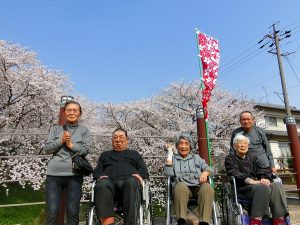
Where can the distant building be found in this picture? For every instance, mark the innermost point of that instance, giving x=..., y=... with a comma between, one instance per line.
x=276, y=131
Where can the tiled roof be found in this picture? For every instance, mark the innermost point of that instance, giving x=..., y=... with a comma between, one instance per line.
x=277, y=133
x=274, y=106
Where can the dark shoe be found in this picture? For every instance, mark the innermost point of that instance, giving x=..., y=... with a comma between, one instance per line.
x=255, y=222
x=181, y=221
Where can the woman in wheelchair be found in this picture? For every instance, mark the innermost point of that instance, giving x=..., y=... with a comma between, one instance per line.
x=190, y=174
x=256, y=184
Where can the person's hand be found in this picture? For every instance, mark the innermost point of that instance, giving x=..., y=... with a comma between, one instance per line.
x=65, y=137
x=169, y=146
x=69, y=144
x=203, y=177
x=138, y=177
x=274, y=170
x=265, y=181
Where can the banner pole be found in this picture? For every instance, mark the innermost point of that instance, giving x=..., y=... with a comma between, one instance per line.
x=202, y=126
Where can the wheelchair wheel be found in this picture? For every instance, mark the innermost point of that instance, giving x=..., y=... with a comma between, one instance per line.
x=228, y=204
x=148, y=211
x=216, y=217
x=91, y=216
x=232, y=210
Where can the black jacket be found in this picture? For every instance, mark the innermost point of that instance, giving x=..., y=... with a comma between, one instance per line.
x=119, y=165
x=242, y=168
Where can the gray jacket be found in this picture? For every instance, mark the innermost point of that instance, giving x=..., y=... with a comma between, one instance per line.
x=61, y=163
x=187, y=169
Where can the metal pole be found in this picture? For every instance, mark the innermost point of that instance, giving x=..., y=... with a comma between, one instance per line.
x=202, y=139
x=62, y=121
x=289, y=119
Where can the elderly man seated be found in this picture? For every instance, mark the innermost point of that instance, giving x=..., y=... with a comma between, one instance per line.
x=119, y=173
x=256, y=184
x=190, y=173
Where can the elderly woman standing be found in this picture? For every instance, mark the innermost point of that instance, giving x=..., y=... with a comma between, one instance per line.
x=62, y=141
x=190, y=173
x=255, y=183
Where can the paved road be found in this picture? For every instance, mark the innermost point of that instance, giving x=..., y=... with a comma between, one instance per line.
x=295, y=213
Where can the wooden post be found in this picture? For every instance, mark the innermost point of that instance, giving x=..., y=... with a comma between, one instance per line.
x=202, y=139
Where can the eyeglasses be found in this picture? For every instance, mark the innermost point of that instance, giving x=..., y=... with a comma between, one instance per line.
x=72, y=110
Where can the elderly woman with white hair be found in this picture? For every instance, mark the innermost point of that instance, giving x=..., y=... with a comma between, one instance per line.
x=190, y=173
x=256, y=184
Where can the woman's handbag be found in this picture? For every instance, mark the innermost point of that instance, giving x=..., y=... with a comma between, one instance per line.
x=81, y=165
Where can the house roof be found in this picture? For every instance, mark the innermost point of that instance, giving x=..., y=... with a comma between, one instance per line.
x=275, y=106
x=278, y=133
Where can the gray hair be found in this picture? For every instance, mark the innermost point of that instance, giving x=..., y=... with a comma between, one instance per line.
x=186, y=137
x=240, y=137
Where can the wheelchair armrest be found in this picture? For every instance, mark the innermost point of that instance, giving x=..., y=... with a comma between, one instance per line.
x=145, y=186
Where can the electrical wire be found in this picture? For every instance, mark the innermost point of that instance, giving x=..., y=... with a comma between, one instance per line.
x=241, y=62
x=295, y=74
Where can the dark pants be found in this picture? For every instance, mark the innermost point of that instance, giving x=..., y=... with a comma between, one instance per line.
x=263, y=196
x=126, y=191
x=54, y=187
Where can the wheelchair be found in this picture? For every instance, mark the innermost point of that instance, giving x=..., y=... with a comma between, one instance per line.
x=192, y=206
x=143, y=207
x=238, y=210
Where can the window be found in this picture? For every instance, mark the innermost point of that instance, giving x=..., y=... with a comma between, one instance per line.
x=271, y=121
x=284, y=159
x=298, y=123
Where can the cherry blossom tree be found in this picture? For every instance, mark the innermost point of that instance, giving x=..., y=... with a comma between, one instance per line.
x=154, y=122
x=29, y=101
x=30, y=96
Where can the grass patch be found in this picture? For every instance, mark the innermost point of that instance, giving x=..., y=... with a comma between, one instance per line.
x=23, y=215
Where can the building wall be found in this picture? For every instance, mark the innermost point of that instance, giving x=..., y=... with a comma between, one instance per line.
x=276, y=152
x=277, y=141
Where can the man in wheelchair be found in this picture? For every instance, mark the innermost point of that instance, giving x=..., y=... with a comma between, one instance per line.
x=190, y=174
x=119, y=173
x=256, y=184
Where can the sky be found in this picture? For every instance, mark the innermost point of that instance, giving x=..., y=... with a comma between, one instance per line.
x=126, y=50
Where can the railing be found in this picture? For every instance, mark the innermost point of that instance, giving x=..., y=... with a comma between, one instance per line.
x=284, y=173
x=86, y=179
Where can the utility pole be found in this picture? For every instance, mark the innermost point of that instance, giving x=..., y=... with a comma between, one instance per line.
x=289, y=119
x=283, y=84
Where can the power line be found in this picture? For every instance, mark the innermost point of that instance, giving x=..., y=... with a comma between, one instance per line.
x=234, y=59
x=241, y=62
x=263, y=82
x=295, y=65
x=297, y=78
